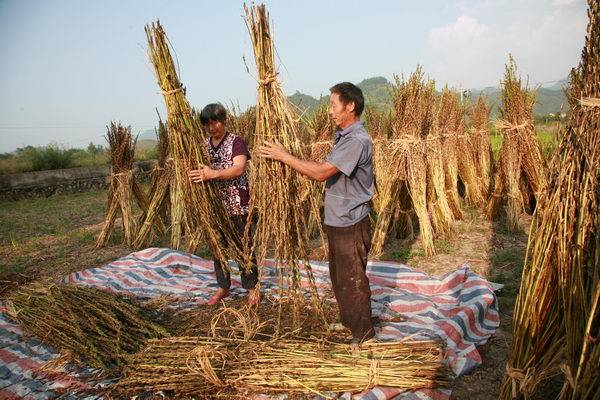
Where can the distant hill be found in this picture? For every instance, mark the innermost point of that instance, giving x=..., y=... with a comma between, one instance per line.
x=304, y=102
x=377, y=92
x=560, y=85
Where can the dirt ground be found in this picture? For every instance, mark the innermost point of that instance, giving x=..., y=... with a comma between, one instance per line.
x=48, y=238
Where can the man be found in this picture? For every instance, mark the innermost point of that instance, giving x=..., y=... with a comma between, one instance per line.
x=348, y=170
x=228, y=156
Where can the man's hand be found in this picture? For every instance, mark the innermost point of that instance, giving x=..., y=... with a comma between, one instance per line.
x=204, y=174
x=274, y=151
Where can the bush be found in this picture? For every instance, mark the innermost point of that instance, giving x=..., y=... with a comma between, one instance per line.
x=48, y=157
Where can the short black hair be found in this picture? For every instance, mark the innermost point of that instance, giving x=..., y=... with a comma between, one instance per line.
x=213, y=112
x=350, y=93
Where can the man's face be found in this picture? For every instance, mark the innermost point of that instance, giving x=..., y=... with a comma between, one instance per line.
x=215, y=128
x=340, y=113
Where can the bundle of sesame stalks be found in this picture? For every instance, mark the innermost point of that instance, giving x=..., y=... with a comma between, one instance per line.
x=467, y=162
x=401, y=158
x=122, y=187
x=162, y=174
x=378, y=121
x=322, y=131
x=520, y=176
x=195, y=207
x=196, y=366
x=448, y=123
x=275, y=202
x=93, y=325
x=379, y=125
x=557, y=314
x=438, y=204
x=482, y=147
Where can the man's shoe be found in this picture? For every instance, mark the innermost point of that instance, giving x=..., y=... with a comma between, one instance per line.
x=218, y=296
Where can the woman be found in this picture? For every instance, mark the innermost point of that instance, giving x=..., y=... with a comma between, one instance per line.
x=228, y=156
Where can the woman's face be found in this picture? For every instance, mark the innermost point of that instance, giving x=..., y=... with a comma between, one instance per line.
x=215, y=128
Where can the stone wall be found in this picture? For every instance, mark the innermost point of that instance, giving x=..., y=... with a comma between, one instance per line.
x=70, y=180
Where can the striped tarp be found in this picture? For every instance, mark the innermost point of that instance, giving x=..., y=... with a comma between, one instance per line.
x=459, y=307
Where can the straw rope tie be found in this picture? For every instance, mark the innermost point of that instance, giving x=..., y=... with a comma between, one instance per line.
x=519, y=379
x=373, y=373
x=173, y=91
x=526, y=381
x=589, y=101
x=268, y=79
x=505, y=125
x=117, y=176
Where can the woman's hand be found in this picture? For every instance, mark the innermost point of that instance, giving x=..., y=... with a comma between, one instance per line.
x=205, y=173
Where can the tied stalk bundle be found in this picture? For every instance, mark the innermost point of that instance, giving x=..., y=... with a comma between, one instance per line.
x=196, y=366
x=448, y=124
x=122, y=185
x=322, y=131
x=401, y=159
x=520, y=177
x=557, y=313
x=195, y=207
x=162, y=175
x=482, y=147
x=276, y=198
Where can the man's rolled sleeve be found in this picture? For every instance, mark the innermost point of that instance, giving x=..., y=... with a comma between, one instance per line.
x=346, y=155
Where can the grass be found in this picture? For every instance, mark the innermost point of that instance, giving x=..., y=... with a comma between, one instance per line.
x=443, y=246
x=56, y=215
x=507, y=257
x=403, y=254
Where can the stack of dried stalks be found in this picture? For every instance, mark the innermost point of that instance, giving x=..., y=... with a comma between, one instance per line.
x=322, y=131
x=162, y=176
x=275, y=200
x=379, y=122
x=401, y=159
x=197, y=207
x=379, y=125
x=196, y=366
x=482, y=147
x=448, y=122
x=438, y=204
x=122, y=186
x=467, y=160
x=520, y=174
x=92, y=325
x=557, y=315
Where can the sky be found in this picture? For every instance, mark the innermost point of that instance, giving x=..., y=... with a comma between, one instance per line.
x=69, y=67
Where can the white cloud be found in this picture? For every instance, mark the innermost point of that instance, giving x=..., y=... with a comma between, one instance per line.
x=471, y=51
x=464, y=29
